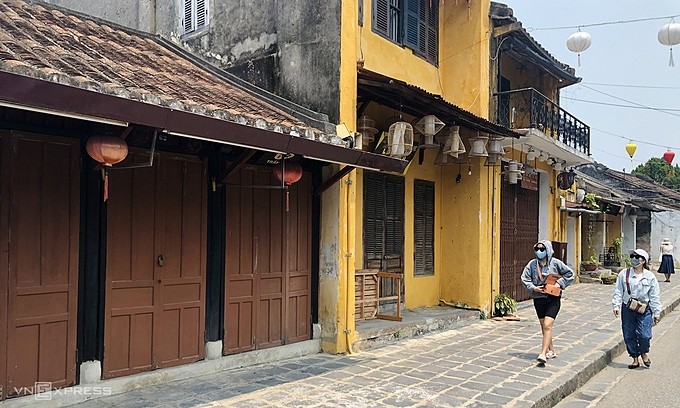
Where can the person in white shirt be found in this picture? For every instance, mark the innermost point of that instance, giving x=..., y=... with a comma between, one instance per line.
x=638, y=284
x=666, y=259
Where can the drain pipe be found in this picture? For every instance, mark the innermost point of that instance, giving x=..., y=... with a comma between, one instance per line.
x=493, y=236
x=349, y=228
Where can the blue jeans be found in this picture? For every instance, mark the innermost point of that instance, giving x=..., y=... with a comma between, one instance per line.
x=637, y=330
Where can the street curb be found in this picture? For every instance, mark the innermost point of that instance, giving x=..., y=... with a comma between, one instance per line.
x=583, y=375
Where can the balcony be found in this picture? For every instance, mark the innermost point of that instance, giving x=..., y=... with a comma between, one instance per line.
x=529, y=109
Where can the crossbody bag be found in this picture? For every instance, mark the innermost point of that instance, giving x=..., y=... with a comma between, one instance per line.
x=552, y=288
x=634, y=304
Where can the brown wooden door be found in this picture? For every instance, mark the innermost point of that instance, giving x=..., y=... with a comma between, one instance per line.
x=39, y=225
x=155, y=268
x=519, y=232
x=267, y=268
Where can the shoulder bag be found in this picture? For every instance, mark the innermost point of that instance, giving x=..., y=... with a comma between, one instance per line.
x=551, y=287
x=634, y=304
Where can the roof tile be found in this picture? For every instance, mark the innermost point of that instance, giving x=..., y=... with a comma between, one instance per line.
x=44, y=42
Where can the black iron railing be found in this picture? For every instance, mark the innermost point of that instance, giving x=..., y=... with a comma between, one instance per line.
x=528, y=108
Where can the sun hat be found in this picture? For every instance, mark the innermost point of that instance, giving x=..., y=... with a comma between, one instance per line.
x=642, y=253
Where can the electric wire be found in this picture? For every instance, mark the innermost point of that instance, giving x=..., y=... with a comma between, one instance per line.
x=631, y=86
x=668, y=112
x=618, y=105
x=634, y=140
x=637, y=20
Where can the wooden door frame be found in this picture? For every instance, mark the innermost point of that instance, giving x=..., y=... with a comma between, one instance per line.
x=4, y=253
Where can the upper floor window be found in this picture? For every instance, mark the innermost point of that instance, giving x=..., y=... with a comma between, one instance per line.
x=195, y=15
x=414, y=23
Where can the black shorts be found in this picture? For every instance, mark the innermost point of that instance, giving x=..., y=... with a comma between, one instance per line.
x=547, y=306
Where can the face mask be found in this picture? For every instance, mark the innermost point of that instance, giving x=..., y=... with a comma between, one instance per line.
x=635, y=262
x=541, y=254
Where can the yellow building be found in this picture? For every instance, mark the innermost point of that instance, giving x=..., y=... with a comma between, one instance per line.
x=457, y=229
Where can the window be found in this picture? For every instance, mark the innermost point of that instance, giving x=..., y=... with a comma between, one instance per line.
x=195, y=15
x=413, y=23
x=423, y=227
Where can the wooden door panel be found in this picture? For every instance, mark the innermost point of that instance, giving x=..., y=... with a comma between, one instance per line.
x=130, y=262
x=240, y=285
x=155, y=265
x=180, y=225
x=519, y=231
x=298, y=326
x=44, y=194
x=268, y=249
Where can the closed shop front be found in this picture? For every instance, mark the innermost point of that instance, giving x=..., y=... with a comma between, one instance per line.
x=268, y=261
x=155, y=265
x=39, y=233
x=519, y=232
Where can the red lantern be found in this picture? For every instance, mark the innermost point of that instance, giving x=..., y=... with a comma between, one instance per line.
x=288, y=174
x=669, y=155
x=107, y=150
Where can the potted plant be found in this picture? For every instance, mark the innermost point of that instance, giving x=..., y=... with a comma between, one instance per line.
x=504, y=307
x=590, y=264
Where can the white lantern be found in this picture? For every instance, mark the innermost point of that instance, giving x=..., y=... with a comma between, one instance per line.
x=531, y=154
x=429, y=126
x=670, y=35
x=478, y=146
x=400, y=139
x=579, y=42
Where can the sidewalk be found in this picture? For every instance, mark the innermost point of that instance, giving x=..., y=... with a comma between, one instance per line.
x=487, y=363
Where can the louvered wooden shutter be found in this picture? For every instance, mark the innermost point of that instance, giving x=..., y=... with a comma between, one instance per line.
x=394, y=217
x=195, y=15
x=188, y=16
x=423, y=228
x=412, y=23
x=201, y=14
x=374, y=217
x=432, y=38
x=380, y=17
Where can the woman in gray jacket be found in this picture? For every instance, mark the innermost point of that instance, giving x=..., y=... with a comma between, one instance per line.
x=545, y=277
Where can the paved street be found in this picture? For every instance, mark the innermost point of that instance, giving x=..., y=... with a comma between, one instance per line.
x=653, y=387
x=488, y=363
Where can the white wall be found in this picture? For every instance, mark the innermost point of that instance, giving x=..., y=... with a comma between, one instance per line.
x=665, y=225
x=571, y=242
x=543, y=194
x=628, y=230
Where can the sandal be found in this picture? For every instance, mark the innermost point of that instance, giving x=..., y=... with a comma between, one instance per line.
x=647, y=363
x=541, y=359
x=633, y=366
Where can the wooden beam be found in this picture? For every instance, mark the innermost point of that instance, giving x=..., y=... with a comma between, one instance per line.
x=236, y=164
x=335, y=177
x=506, y=29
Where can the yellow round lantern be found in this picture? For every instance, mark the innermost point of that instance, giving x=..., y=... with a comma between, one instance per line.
x=631, y=148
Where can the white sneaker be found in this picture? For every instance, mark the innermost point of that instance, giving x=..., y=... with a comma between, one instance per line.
x=550, y=354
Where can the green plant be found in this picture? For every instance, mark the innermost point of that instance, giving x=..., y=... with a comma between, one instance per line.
x=591, y=200
x=616, y=244
x=504, y=305
x=591, y=261
x=608, y=279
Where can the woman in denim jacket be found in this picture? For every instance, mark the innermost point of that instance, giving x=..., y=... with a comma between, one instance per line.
x=637, y=327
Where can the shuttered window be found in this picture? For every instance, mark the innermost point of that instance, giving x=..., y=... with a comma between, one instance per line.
x=383, y=219
x=413, y=23
x=195, y=15
x=423, y=227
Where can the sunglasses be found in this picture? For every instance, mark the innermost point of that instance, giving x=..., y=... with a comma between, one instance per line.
x=538, y=248
x=636, y=256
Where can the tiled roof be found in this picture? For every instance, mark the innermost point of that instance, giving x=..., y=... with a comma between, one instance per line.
x=51, y=44
x=501, y=14
x=634, y=185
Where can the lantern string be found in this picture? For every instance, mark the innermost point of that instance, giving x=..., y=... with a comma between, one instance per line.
x=601, y=24
x=579, y=60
